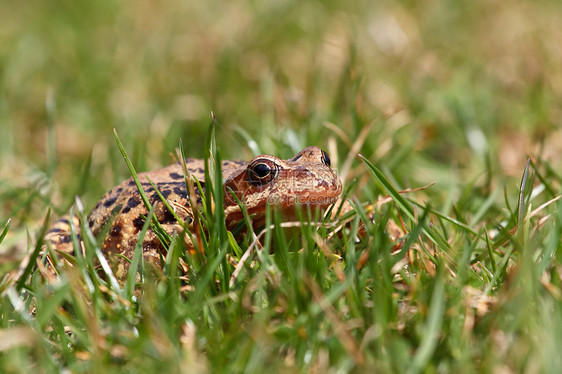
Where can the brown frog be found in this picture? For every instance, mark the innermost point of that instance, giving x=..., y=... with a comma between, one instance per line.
x=307, y=179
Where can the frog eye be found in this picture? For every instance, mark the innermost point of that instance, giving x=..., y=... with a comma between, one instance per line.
x=261, y=172
x=325, y=159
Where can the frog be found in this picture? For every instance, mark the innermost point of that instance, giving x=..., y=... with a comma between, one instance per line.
x=306, y=179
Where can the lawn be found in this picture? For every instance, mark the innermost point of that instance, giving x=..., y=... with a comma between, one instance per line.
x=443, y=120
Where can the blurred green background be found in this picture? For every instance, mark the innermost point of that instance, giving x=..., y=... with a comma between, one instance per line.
x=458, y=93
x=451, y=90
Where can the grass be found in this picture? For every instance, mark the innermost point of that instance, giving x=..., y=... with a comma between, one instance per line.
x=429, y=111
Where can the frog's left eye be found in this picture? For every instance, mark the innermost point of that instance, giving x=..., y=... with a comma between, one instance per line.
x=262, y=171
x=325, y=159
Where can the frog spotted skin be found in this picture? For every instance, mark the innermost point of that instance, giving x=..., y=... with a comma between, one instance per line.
x=307, y=178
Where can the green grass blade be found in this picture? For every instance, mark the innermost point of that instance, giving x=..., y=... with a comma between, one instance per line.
x=50, y=306
x=137, y=260
x=163, y=236
x=5, y=230
x=432, y=327
x=33, y=257
x=403, y=204
x=522, y=207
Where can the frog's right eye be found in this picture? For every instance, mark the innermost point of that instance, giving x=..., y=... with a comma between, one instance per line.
x=262, y=171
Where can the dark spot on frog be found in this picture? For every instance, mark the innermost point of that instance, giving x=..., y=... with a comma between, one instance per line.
x=109, y=202
x=115, y=210
x=153, y=198
x=65, y=221
x=149, y=245
x=116, y=230
x=91, y=222
x=133, y=201
x=176, y=176
x=65, y=239
x=138, y=222
x=181, y=192
x=167, y=217
x=296, y=158
x=166, y=192
x=55, y=230
x=162, y=186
